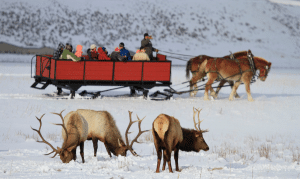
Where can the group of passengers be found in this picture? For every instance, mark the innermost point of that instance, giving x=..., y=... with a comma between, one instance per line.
x=144, y=53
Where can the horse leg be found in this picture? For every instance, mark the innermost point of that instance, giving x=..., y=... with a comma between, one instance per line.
x=231, y=85
x=211, y=78
x=246, y=79
x=221, y=84
x=212, y=92
x=233, y=91
x=193, y=85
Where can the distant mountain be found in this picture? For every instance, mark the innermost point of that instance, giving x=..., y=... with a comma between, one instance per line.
x=185, y=27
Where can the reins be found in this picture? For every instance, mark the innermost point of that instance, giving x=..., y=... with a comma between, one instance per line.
x=177, y=54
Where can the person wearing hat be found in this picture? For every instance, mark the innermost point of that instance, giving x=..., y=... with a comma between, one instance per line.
x=92, y=52
x=124, y=52
x=148, y=45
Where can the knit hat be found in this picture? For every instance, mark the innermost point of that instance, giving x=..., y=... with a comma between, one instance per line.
x=121, y=44
x=146, y=34
x=93, y=46
x=104, y=49
x=117, y=49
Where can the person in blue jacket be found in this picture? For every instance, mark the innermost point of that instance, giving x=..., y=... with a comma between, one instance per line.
x=124, y=52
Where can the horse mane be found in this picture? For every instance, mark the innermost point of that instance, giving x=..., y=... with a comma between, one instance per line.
x=261, y=60
x=240, y=52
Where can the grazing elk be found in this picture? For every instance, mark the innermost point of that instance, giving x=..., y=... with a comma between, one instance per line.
x=170, y=136
x=74, y=132
x=102, y=127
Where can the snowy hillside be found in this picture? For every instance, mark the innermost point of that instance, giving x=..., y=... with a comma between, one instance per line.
x=270, y=29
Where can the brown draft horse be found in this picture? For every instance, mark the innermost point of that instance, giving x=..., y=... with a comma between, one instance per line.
x=233, y=70
x=193, y=65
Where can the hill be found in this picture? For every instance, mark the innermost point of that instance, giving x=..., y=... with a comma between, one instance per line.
x=271, y=30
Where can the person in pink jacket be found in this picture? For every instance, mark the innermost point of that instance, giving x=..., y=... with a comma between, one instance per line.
x=79, y=52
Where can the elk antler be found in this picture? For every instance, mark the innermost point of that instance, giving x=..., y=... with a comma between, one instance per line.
x=43, y=140
x=199, y=121
x=63, y=123
x=138, y=135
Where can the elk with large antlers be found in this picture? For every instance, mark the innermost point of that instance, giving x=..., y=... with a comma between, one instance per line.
x=103, y=127
x=170, y=136
x=74, y=132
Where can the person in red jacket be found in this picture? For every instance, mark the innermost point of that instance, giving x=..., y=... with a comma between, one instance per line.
x=92, y=52
x=102, y=55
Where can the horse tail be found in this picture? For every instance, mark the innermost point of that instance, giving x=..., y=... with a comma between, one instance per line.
x=188, y=68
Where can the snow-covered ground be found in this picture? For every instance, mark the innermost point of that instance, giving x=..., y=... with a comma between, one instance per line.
x=257, y=139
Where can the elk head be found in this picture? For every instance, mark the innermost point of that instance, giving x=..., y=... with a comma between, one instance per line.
x=65, y=152
x=129, y=146
x=198, y=133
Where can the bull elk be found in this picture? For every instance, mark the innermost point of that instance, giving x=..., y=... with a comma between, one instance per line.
x=170, y=136
x=74, y=132
x=102, y=127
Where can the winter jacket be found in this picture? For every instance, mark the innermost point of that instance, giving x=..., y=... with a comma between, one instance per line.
x=102, y=55
x=78, y=52
x=148, y=46
x=115, y=56
x=93, y=55
x=69, y=55
x=140, y=57
x=125, y=52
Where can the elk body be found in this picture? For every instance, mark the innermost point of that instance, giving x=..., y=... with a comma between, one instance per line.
x=102, y=127
x=170, y=136
x=74, y=133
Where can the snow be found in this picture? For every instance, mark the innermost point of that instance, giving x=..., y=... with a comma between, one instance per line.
x=257, y=139
x=246, y=139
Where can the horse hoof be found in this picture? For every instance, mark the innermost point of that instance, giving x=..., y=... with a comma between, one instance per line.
x=237, y=96
x=206, y=99
x=251, y=100
x=230, y=99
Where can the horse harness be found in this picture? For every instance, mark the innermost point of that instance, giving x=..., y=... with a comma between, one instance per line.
x=232, y=57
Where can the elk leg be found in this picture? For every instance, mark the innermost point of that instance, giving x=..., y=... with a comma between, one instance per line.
x=167, y=155
x=107, y=149
x=95, y=144
x=74, y=153
x=221, y=84
x=233, y=91
x=82, y=151
x=158, y=151
x=164, y=163
x=176, y=151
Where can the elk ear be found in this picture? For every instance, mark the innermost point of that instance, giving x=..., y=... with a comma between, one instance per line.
x=59, y=150
x=197, y=134
x=121, y=144
x=71, y=148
